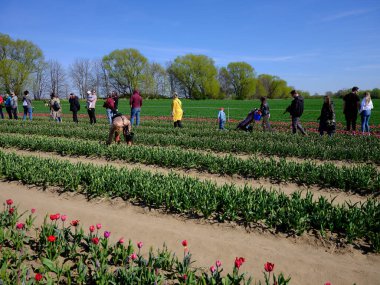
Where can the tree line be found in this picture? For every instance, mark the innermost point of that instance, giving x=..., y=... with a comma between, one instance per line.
x=22, y=65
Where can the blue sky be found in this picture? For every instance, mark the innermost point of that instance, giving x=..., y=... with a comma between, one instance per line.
x=315, y=45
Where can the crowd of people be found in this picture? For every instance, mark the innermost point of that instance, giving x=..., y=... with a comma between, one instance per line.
x=352, y=106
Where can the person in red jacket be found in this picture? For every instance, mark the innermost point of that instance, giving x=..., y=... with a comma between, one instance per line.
x=109, y=104
x=136, y=103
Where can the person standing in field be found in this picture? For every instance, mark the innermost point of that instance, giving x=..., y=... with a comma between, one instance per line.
x=120, y=125
x=327, y=118
x=296, y=110
x=74, y=106
x=365, y=111
x=14, y=105
x=265, y=114
x=91, y=104
x=8, y=105
x=109, y=104
x=1, y=106
x=136, y=102
x=351, y=108
x=27, y=105
x=177, y=111
x=115, y=97
x=55, y=107
x=221, y=119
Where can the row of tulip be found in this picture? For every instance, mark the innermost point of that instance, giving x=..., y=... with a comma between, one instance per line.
x=61, y=252
x=353, y=148
x=180, y=194
x=361, y=179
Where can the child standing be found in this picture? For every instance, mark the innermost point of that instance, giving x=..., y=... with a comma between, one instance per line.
x=264, y=108
x=221, y=119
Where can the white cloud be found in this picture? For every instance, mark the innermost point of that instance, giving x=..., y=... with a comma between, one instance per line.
x=345, y=14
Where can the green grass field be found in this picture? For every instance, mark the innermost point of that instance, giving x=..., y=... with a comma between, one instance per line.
x=235, y=109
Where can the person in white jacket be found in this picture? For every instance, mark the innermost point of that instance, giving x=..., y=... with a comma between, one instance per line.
x=365, y=111
x=91, y=104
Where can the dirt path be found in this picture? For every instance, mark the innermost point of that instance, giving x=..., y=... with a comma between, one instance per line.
x=287, y=188
x=301, y=258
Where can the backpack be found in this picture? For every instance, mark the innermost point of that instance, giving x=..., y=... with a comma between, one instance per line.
x=56, y=106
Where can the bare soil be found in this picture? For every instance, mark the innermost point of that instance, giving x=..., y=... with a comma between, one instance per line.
x=306, y=259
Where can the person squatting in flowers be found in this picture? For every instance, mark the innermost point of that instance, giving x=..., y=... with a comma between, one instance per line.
x=120, y=124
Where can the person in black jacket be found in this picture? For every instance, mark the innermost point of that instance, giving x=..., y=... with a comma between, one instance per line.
x=74, y=106
x=327, y=118
x=351, y=105
x=296, y=110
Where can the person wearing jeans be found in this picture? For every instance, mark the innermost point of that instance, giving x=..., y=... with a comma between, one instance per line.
x=14, y=105
x=109, y=104
x=136, y=104
x=365, y=112
x=27, y=105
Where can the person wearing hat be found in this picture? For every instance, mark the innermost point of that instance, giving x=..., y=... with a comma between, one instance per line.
x=221, y=119
x=296, y=110
x=120, y=124
x=74, y=106
x=351, y=105
x=177, y=111
x=91, y=103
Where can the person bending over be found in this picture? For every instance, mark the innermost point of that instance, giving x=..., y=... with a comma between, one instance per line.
x=120, y=125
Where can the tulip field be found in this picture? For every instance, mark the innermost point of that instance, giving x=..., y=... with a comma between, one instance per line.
x=64, y=251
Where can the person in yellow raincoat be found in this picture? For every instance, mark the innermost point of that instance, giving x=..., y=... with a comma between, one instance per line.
x=177, y=111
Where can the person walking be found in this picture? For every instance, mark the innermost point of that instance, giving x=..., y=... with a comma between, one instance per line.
x=1, y=106
x=14, y=105
x=91, y=104
x=136, y=102
x=55, y=107
x=177, y=111
x=365, y=112
x=120, y=125
x=74, y=106
x=221, y=119
x=265, y=114
x=109, y=104
x=327, y=118
x=27, y=105
x=8, y=105
x=351, y=108
x=296, y=110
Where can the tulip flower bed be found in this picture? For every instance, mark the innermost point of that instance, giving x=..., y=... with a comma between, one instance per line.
x=361, y=179
x=341, y=147
x=61, y=252
x=180, y=194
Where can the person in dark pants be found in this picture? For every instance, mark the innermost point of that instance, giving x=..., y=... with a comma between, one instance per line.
x=115, y=97
x=8, y=106
x=351, y=105
x=1, y=106
x=74, y=106
x=91, y=103
x=14, y=105
x=296, y=110
x=327, y=118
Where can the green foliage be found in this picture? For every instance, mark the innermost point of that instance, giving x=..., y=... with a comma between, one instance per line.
x=196, y=74
x=271, y=86
x=126, y=68
x=18, y=59
x=241, y=76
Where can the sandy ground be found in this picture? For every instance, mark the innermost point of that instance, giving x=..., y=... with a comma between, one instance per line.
x=305, y=259
x=288, y=188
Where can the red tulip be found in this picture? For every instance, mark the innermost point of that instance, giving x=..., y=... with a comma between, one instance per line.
x=121, y=241
x=98, y=226
x=133, y=256
x=57, y=216
x=9, y=202
x=184, y=243
x=268, y=267
x=239, y=262
x=53, y=217
x=52, y=238
x=63, y=218
x=95, y=240
x=20, y=226
x=75, y=223
x=92, y=228
x=140, y=244
x=11, y=210
x=38, y=277
x=33, y=210
x=218, y=263
x=327, y=283
x=212, y=269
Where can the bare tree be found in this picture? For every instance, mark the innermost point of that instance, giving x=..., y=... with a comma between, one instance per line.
x=39, y=81
x=102, y=80
x=57, y=78
x=81, y=75
x=160, y=85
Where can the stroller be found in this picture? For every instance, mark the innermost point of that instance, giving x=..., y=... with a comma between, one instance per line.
x=254, y=115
